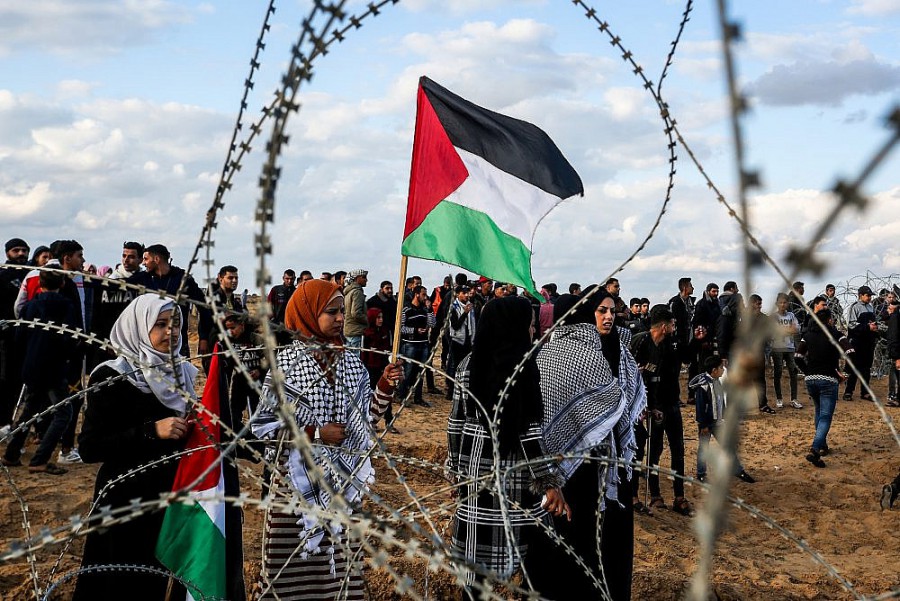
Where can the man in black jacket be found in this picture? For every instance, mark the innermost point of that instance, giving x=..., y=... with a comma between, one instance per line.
x=682, y=307
x=705, y=324
x=10, y=357
x=656, y=353
x=45, y=370
x=162, y=275
x=385, y=300
x=731, y=305
x=280, y=295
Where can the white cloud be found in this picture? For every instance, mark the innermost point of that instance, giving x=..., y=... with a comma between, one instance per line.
x=877, y=230
x=874, y=8
x=519, y=53
x=95, y=26
x=705, y=69
x=626, y=103
x=20, y=200
x=464, y=6
x=73, y=88
x=824, y=83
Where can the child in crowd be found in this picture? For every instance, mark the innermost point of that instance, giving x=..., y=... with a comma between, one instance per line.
x=375, y=355
x=709, y=396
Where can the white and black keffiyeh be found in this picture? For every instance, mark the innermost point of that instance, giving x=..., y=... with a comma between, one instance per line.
x=583, y=401
x=318, y=400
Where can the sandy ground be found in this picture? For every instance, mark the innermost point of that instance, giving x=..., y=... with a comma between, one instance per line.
x=835, y=510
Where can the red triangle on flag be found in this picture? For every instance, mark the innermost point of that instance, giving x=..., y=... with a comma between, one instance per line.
x=203, y=434
x=436, y=170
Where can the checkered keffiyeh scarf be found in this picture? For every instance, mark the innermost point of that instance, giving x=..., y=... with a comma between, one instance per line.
x=583, y=401
x=318, y=400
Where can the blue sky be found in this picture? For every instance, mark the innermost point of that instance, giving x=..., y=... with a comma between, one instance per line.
x=115, y=118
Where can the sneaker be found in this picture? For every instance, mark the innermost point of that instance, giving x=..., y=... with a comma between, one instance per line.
x=824, y=451
x=796, y=404
x=4, y=431
x=421, y=403
x=745, y=477
x=779, y=403
x=847, y=397
x=766, y=409
x=70, y=457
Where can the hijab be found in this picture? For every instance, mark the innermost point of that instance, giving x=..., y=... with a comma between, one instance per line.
x=585, y=311
x=611, y=346
x=501, y=341
x=148, y=369
x=306, y=304
x=372, y=316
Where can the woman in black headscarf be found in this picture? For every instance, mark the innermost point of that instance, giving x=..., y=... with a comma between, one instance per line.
x=591, y=400
x=490, y=531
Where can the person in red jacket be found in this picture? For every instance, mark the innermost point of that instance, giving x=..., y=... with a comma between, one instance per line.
x=376, y=355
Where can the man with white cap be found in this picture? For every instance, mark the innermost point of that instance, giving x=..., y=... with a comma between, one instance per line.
x=355, y=320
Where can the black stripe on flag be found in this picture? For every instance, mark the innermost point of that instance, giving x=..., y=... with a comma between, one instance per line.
x=512, y=145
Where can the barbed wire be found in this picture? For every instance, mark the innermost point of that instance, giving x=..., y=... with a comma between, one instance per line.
x=375, y=526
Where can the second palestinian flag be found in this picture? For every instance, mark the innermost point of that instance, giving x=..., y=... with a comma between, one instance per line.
x=192, y=538
x=480, y=183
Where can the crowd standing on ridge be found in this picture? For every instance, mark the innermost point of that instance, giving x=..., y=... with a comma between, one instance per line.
x=605, y=384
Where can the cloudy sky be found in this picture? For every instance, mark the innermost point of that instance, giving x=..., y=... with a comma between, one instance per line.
x=115, y=118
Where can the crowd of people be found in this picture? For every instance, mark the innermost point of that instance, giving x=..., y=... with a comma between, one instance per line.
x=561, y=394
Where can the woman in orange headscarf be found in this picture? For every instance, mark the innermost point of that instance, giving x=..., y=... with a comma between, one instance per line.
x=307, y=554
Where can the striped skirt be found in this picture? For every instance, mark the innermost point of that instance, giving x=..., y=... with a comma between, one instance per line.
x=286, y=577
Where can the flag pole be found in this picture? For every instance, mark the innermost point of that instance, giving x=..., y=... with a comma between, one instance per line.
x=401, y=297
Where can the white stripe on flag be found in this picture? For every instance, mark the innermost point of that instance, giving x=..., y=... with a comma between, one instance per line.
x=513, y=204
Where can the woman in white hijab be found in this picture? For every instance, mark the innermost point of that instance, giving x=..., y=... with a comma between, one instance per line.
x=137, y=417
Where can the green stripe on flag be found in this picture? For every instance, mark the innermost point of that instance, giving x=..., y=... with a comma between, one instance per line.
x=191, y=546
x=470, y=239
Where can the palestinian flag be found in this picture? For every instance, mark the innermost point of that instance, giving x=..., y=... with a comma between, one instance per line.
x=191, y=542
x=480, y=183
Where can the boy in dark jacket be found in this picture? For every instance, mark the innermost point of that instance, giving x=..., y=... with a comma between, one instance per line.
x=45, y=368
x=709, y=397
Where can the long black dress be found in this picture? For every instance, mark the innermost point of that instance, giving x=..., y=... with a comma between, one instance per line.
x=117, y=431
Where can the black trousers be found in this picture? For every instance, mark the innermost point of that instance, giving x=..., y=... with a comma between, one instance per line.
x=10, y=377
x=640, y=439
x=555, y=574
x=862, y=360
x=761, y=395
x=673, y=428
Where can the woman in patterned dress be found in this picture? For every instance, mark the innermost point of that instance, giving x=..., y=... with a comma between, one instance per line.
x=307, y=555
x=489, y=532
